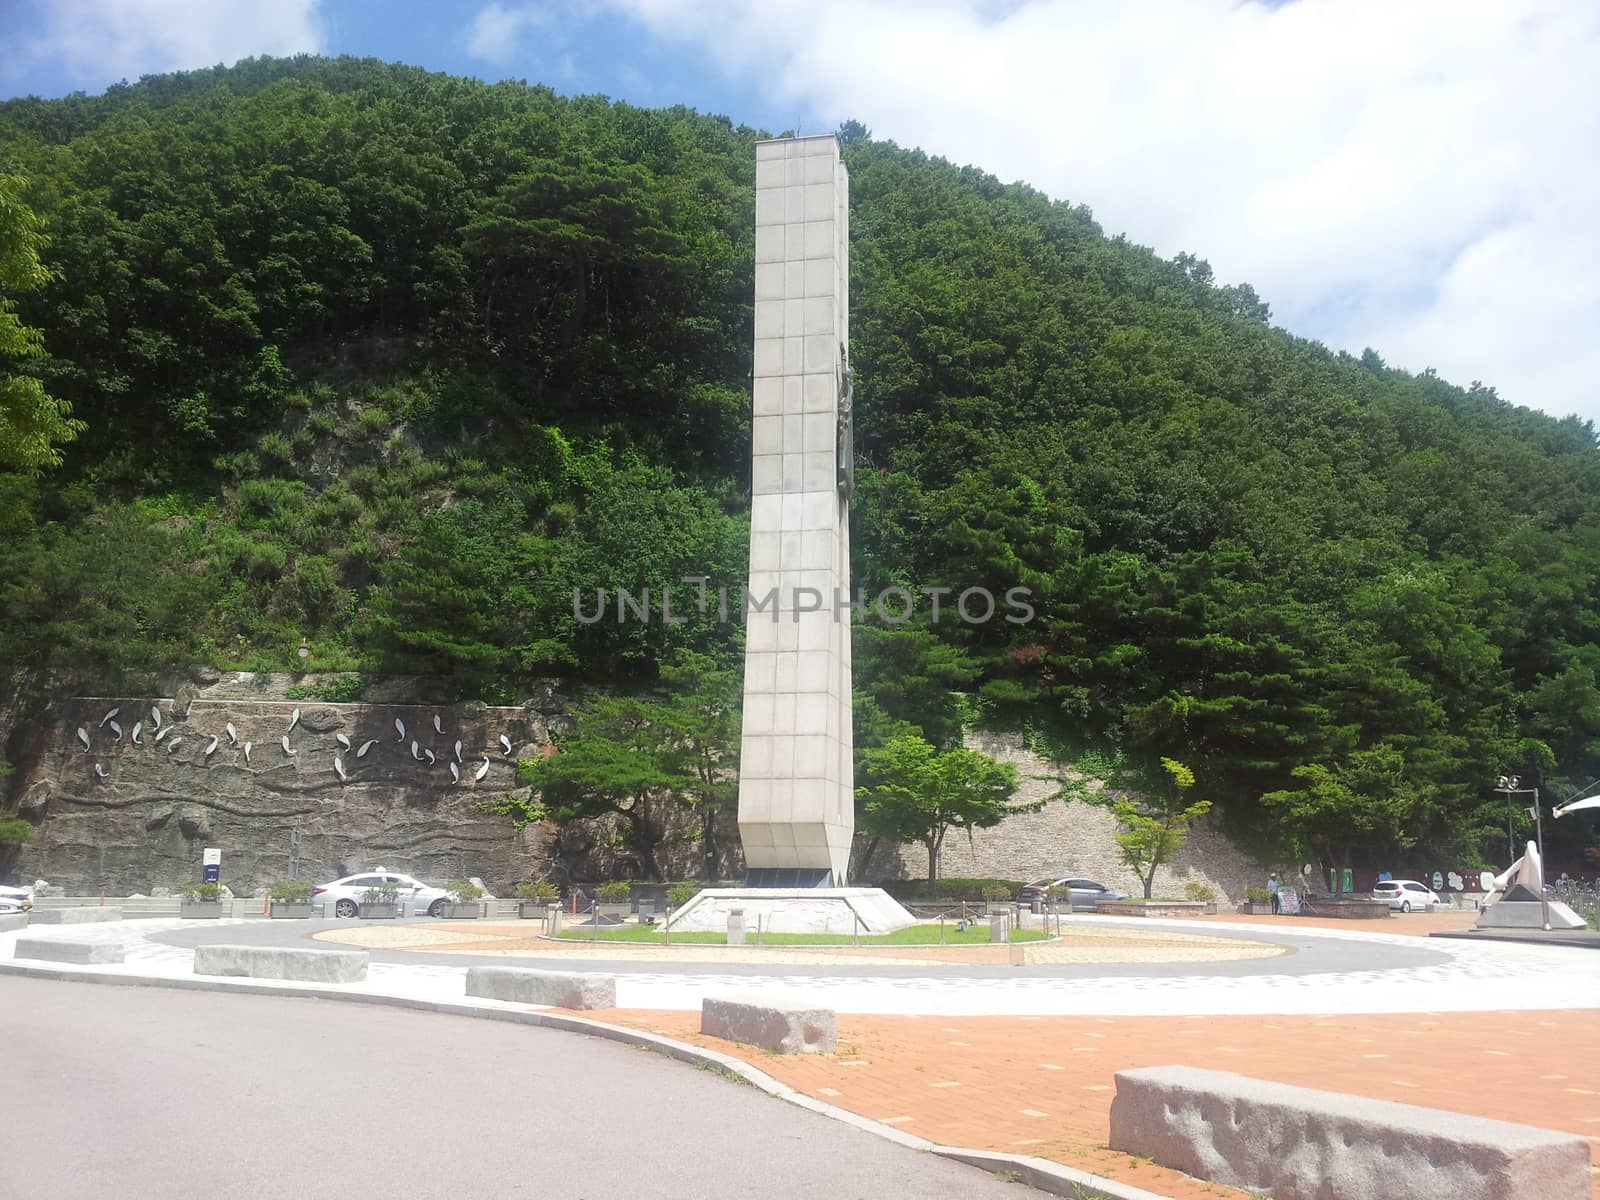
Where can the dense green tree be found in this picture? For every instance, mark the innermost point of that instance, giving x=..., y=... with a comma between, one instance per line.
x=1155, y=826
x=618, y=761
x=33, y=424
x=916, y=792
x=703, y=715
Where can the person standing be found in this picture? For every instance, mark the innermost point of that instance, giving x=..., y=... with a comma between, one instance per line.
x=1272, y=886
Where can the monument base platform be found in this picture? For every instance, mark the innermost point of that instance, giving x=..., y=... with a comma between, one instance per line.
x=843, y=910
x=1529, y=914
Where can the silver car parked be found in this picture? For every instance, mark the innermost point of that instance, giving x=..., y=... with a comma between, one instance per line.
x=1406, y=894
x=1080, y=894
x=346, y=895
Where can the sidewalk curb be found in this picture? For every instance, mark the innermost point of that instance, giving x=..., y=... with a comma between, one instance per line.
x=1052, y=1178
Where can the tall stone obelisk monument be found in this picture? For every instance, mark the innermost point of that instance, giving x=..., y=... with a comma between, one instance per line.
x=796, y=779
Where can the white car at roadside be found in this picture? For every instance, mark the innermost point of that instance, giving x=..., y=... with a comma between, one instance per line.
x=15, y=900
x=1407, y=894
x=344, y=897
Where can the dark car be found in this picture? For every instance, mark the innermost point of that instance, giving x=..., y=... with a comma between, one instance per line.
x=1082, y=893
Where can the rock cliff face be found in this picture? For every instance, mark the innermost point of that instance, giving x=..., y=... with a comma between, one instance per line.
x=158, y=804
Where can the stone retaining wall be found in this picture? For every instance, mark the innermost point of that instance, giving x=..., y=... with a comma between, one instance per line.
x=1067, y=838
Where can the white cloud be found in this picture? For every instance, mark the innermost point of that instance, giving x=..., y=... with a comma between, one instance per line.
x=96, y=42
x=496, y=31
x=1418, y=177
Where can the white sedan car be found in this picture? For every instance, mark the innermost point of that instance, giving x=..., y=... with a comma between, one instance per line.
x=1406, y=894
x=15, y=900
x=348, y=894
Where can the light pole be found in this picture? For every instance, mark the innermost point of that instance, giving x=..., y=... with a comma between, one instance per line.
x=1508, y=785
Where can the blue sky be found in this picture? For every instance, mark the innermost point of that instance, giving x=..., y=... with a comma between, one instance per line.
x=600, y=51
x=1415, y=177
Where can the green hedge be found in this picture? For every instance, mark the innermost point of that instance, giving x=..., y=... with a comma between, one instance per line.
x=952, y=889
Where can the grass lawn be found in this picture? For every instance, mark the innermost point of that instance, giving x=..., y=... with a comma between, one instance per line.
x=912, y=935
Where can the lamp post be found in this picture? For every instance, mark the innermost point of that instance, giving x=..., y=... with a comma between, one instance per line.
x=1508, y=785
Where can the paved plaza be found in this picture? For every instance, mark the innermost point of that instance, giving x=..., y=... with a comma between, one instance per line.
x=959, y=1046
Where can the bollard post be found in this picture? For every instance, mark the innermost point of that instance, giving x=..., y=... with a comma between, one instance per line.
x=758, y=929
x=855, y=932
x=941, y=929
x=667, y=932
x=736, y=927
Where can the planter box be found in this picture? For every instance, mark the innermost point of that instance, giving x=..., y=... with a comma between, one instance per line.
x=1253, y=909
x=1349, y=910
x=289, y=910
x=371, y=910
x=1155, y=908
x=533, y=910
x=462, y=912
x=200, y=910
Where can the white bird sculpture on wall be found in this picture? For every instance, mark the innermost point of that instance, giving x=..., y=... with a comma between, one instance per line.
x=99, y=770
x=155, y=716
x=174, y=744
x=430, y=757
x=505, y=742
x=415, y=753
x=437, y=727
x=83, y=736
x=342, y=740
x=212, y=748
x=458, y=749
x=478, y=775
x=365, y=746
x=284, y=742
x=338, y=769
x=138, y=728
x=294, y=719
x=233, y=735
x=162, y=732
x=117, y=731
x=247, y=746
x=455, y=774
x=109, y=715
x=400, y=728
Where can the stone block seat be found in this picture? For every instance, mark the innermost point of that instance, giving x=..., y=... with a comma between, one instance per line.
x=1294, y=1143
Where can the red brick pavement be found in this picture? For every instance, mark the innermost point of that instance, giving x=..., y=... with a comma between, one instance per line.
x=1043, y=1086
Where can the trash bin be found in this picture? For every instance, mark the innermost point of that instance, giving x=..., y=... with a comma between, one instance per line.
x=999, y=927
x=1037, y=906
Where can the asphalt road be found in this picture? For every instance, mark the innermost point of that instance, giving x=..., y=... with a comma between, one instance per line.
x=1310, y=955
x=146, y=1092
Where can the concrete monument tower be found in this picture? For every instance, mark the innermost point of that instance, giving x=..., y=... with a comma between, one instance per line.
x=796, y=776
x=796, y=785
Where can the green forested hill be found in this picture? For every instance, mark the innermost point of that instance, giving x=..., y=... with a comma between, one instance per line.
x=392, y=361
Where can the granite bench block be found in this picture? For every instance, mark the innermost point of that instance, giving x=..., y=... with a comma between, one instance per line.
x=557, y=989
x=70, y=950
x=88, y=914
x=282, y=962
x=1296, y=1143
x=780, y=1028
